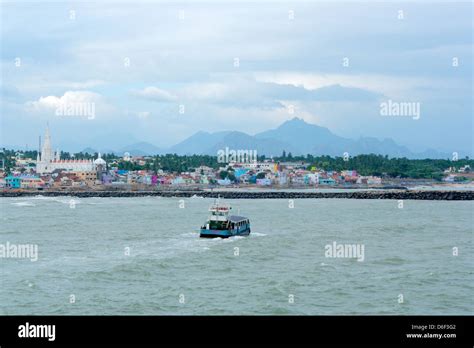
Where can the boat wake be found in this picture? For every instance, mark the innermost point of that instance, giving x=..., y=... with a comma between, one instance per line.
x=256, y=234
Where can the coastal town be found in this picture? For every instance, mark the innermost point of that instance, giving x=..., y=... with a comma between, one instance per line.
x=57, y=170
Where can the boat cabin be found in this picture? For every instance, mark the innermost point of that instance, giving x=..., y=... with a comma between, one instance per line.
x=238, y=221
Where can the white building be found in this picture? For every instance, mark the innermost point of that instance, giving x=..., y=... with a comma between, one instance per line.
x=204, y=170
x=259, y=166
x=48, y=160
x=465, y=169
x=370, y=180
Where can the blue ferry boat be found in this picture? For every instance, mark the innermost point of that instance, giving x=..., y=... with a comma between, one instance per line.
x=222, y=224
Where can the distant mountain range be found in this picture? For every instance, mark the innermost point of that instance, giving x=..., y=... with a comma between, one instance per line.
x=295, y=136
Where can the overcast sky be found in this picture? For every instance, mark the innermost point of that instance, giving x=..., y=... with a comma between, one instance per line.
x=236, y=66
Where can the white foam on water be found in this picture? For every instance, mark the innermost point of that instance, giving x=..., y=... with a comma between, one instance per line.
x=218, y=240
x=188, y=242
x=233, y=239
x=322, y=264
x=41, y=197
x=191, y=242
x=94, y=203
x=257, y=234
x=24, y=204
x=190, y=234
x=65, y=200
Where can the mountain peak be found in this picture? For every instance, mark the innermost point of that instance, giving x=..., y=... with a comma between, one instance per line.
x=294, y=135
x=294, y=120
x=299, y=124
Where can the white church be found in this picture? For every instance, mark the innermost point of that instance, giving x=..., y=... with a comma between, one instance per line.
x=48, y=161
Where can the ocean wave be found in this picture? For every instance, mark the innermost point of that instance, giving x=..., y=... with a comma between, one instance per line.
x=392, y=261
x=64, y=200
x=195, y=196
x=24, y=204
x=257, y=234
x=190, y=234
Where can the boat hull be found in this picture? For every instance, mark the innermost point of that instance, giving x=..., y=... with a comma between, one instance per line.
x=224, y=233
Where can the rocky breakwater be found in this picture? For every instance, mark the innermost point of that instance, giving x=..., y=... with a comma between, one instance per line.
x=385, y=194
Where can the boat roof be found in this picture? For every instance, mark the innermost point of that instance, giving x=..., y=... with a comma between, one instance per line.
x=219, y=207
x=236, y=218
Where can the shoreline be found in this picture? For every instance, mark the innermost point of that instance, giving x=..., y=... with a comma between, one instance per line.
x=235, y=194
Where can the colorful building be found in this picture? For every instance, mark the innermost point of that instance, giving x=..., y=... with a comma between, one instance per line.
x=327, y=181
x=13, y=182
x=31, y=182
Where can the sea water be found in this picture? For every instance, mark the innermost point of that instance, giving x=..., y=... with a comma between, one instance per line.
x=142, y=256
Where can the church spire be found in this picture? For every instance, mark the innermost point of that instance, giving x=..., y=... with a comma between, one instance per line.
x=38, y=158
x=46, y=153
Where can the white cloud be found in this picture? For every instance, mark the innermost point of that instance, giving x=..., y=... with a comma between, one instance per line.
x=388, y=85
x=73, y=103
x=52, y=102
x=81, y=85
x=206, y=91
x=282, y=63
x=143, y=114
x=155, y=94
